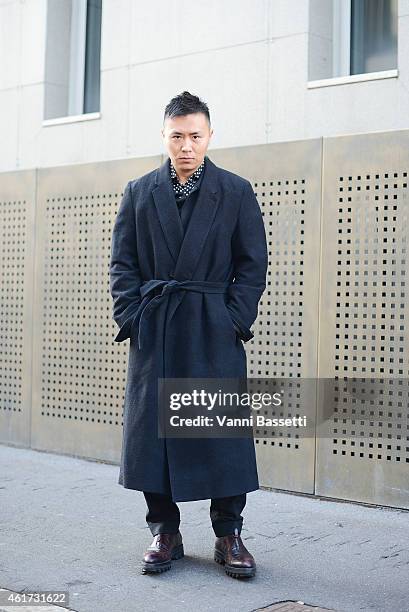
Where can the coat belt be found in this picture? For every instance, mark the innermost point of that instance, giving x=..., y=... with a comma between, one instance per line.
x=151, y=299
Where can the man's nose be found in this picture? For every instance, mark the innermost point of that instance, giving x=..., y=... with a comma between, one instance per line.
x=186, y=145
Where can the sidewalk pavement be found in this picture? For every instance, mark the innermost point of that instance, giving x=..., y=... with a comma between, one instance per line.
x=67, y=525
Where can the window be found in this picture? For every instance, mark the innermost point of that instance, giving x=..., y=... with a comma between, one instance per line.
x=73, y=58
x=373, y=35
x=352, y=37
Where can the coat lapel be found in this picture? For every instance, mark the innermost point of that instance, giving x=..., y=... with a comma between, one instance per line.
x=167, y=210
x=186, y=249
x=199, y=225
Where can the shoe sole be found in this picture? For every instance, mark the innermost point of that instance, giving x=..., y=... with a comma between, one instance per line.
x=163, y=566
x=234, y=572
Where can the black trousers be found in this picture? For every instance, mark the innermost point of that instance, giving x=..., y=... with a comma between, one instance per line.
x=163, y=514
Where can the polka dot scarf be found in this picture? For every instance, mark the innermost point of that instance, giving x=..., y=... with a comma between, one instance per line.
x=182, y=191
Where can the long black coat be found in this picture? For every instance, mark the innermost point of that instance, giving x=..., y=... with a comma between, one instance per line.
x=189, y=330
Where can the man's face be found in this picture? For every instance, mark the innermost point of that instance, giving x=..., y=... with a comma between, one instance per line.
x=186, y=139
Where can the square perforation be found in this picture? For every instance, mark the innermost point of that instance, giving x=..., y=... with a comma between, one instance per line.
x=13, y=241
x=83, y=372
x=276, y=350
x=370, y=321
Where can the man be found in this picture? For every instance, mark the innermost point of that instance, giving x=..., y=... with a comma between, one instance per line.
x=188, y=268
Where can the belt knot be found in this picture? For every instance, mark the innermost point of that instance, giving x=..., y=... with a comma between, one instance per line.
x=150, y=301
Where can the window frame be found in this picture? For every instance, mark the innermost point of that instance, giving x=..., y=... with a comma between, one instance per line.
x=77, y=67
x=341, y=58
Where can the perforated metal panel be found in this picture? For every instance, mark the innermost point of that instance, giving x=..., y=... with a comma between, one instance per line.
x=363, y=446
x=338, y=267
x=17, y=210
x=79, y=372
x=286, y=179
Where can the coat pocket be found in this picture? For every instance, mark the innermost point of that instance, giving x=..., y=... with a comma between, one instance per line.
x=244, y=333
x=229, y=319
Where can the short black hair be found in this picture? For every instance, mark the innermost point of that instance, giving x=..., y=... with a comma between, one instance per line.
x=185, y=104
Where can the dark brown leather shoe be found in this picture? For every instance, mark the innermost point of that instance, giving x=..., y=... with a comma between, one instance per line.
x=231, y=552
x=164, y=548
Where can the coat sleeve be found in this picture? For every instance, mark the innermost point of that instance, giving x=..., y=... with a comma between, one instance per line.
x=125, y=279
x=250, y=261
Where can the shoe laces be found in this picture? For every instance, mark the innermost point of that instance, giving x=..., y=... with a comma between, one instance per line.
x=158, y=543
x=236, y=544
